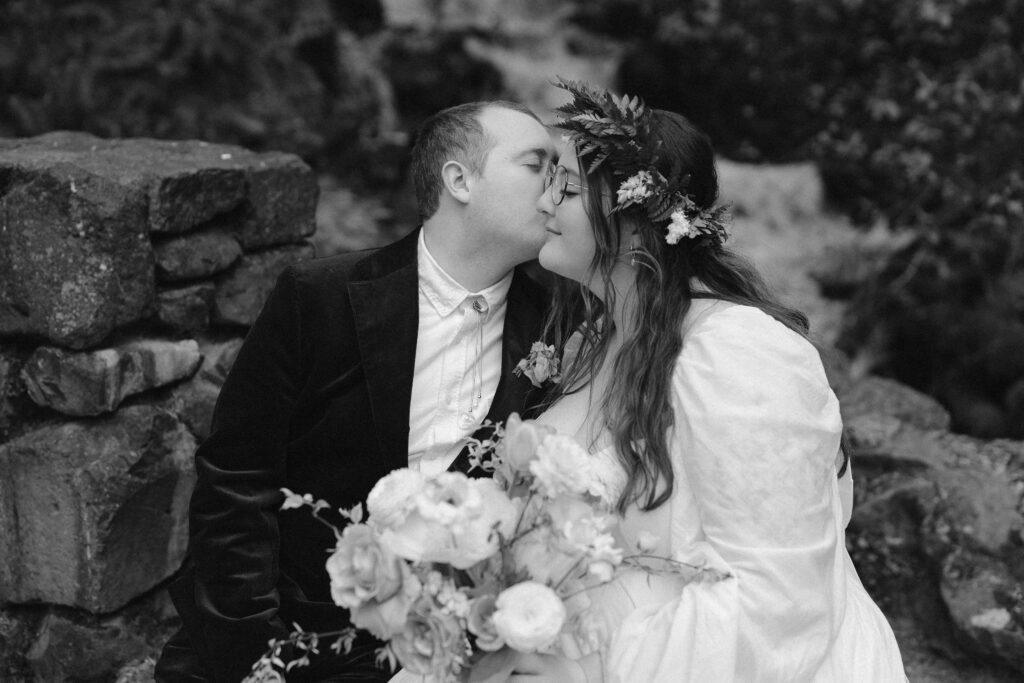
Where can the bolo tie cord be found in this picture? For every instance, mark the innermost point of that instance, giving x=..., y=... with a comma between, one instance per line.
x=481, y=307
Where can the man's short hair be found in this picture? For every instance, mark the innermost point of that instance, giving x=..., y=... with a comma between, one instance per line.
x=453, y=134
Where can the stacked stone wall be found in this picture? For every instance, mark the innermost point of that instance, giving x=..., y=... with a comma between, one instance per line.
x=130, y=271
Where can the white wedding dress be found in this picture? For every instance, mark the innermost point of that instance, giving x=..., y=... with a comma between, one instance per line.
x=753, y=452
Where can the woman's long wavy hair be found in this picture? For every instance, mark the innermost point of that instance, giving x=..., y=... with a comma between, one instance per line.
x=638, y=404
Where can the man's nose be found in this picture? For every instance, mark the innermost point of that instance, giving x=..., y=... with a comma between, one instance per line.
x=544, y=202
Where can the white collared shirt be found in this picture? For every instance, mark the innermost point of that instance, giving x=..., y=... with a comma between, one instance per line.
x=458, y=362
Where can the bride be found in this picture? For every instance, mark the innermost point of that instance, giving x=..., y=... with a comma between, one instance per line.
x=709, y=394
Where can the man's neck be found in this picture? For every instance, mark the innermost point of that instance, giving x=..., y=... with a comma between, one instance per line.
x=474, y=267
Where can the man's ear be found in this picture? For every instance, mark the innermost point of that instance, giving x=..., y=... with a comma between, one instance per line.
x=456, y=180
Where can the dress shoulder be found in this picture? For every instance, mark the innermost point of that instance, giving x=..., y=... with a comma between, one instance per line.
x=745, y=348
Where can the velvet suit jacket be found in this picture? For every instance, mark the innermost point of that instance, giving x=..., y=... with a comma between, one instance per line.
x=317, y=401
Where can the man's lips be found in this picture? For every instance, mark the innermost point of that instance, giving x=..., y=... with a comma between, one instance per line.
x=553, y=231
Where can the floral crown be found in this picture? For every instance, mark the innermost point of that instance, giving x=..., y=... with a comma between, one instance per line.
x=617, y=130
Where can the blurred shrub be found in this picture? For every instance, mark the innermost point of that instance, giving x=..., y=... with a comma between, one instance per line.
x=913, y=110
x=261, y=73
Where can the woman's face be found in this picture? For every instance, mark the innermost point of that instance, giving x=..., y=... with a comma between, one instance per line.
x=569, y=248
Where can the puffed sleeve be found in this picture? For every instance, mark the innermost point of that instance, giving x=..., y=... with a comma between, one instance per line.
x=753, y=449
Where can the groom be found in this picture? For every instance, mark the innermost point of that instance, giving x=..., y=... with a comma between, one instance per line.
x=360, y=364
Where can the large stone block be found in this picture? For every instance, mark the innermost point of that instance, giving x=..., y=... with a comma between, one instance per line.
x=268, y=198
x=186, y=310
x=18, y=627
x=75, y=259
x=195, y=255
x=986, y=606
x=182, y=183
x=218, y=357
x=76, y=213
x=242, y=292
x=281, y=202
x=95, y=382
x=94, y=513
x=188, y=182
x=11, y=385
x=193, y=403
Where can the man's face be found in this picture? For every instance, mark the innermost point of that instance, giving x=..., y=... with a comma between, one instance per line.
x=508, y=205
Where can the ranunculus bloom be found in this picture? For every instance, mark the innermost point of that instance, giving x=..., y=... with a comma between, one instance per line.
x=392, y=497
x=480, y=623
x=362, y=569
x=429, y=642
x=529, y=616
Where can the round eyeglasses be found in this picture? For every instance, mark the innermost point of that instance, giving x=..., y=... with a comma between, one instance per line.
x=558, y=182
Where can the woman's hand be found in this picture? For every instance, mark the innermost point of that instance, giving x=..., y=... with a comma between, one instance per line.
x=541, y=668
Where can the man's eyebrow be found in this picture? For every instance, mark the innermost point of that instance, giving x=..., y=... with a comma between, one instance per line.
x=540, y=152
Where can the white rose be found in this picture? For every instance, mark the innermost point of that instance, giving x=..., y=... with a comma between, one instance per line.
x=429, y=642
x=394, y=496
x=529, y=616
x=361, y=569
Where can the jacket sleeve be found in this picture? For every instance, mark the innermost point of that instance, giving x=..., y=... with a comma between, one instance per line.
x=240, y=469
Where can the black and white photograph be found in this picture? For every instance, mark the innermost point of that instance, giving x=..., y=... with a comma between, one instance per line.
x=511, y=341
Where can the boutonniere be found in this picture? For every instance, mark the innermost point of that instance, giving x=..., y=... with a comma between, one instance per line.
x=540, y=366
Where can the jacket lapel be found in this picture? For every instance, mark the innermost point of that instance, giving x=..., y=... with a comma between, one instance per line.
x=523, y=320
x=383, y=292
x=522, y=328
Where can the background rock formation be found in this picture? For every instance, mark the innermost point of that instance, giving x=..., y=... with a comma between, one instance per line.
x=129, y=271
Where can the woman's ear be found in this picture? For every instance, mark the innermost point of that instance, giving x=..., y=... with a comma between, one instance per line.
x=455, y=177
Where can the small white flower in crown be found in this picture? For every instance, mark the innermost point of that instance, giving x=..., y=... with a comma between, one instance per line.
x=680, y=227
x=635, y=188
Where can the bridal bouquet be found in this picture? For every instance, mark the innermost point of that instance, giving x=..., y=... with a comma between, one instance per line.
x=452, y=572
